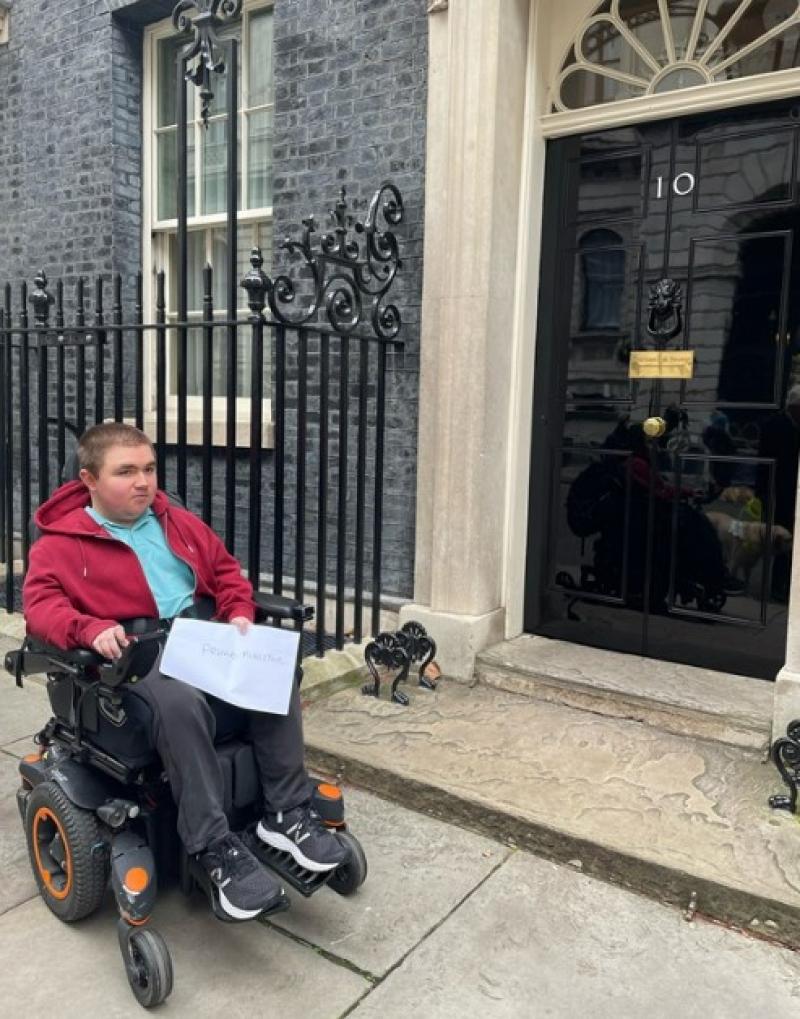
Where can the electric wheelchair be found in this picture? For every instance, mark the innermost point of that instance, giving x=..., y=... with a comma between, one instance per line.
x=96, y=805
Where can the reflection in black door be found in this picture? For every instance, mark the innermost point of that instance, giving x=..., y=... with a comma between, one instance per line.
x=662, y=509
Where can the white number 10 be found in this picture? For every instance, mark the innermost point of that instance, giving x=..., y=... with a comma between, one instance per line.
x=683, y=184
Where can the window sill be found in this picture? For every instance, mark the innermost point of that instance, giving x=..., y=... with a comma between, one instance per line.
x=194, y=430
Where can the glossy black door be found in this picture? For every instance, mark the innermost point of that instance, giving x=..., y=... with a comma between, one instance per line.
x=676, y=546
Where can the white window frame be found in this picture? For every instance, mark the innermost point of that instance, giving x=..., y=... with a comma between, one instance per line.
x=153, y=226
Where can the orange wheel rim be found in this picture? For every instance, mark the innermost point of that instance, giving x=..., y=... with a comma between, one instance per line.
x=45, y=816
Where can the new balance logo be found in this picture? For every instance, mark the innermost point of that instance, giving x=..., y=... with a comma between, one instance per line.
x=298, y=834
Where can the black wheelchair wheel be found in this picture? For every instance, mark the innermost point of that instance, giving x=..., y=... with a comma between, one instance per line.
x=350, y=875
x=67, y=857
x=148, y=965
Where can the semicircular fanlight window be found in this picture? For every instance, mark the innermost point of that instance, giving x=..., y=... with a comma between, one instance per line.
x=631, y=48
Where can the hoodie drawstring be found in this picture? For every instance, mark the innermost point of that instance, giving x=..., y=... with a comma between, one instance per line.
x=177, y=527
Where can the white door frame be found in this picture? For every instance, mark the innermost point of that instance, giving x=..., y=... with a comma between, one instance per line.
x=539, y=127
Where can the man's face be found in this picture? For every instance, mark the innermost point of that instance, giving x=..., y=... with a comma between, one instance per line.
x=126, y=484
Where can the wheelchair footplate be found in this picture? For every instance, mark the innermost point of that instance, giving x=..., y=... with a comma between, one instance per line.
x=285, y=866
x=206, y=885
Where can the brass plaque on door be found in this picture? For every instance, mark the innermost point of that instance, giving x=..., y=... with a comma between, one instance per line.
x=661, y=364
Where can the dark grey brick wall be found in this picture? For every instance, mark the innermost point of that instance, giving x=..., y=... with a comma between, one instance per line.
x=351, y=92
x=70, y=162
x=350, y=111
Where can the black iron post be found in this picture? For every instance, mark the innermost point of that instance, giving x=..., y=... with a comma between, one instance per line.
x=233, y=288
x=198, y=60
x=300, y=494
x=3, y=436
x=61, y=382
x=256, y=284
x=116, y=321
x=80, y=360
x=208, y=392
x=41, y=299
x=322, y=491
x=161, y=381
x=100, y=350
x=25, y=423
x=183, y=274
x=138, y=315
x=7, y=410
x=280, y=458
x=341, y=518
x=377, y=519
x=361, y=486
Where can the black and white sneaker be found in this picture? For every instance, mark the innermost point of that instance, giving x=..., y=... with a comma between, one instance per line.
x=301, y=833
x=245, y=889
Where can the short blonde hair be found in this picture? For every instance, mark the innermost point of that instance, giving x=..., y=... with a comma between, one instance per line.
x=97, y=440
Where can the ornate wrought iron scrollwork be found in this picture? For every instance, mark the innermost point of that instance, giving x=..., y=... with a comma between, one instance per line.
x=348, y=279
x=421, y=648
x=205, y=47
x=665, y=320
x=390, y=653
x=785, y=754
x=398, y=651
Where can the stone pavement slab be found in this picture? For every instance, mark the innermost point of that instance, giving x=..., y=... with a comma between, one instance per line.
x=23, y=710
x=231, y=970
x=16, y=880
x=540, y=941
x=19, y=747
x=419, y=870
x=660, y=813
x=12, y=624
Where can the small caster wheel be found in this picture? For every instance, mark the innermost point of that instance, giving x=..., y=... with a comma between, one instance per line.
x=148, y=965
x=350, y=875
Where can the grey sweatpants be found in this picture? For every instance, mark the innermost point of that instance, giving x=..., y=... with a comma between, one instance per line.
x=183, y=730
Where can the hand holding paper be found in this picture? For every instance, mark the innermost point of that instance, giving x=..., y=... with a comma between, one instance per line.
x=255, y=670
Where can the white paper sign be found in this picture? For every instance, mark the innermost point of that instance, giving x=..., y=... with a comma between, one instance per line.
x=255, y=670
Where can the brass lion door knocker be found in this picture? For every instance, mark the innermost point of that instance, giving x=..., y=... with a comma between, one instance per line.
x=665, y=304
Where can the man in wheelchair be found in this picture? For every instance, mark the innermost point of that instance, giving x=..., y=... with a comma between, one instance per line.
x=113, y=547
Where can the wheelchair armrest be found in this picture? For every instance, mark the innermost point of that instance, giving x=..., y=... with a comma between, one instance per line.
x=37, y=656
x=275, y=606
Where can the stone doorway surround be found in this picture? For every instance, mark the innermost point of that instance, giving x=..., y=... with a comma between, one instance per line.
x=490, y=69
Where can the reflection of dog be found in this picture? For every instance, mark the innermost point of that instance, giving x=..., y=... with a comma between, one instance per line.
x=743, y=543
x=739, y=494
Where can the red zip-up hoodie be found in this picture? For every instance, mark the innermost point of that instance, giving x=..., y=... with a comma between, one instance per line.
x=80, y=580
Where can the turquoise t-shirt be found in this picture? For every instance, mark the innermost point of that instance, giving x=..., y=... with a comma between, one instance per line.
x=170, y=579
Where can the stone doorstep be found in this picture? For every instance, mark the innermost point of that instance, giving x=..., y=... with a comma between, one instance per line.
x=678, y=699
x=682, y=821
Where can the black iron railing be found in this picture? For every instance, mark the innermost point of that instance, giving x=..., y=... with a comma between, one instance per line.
x=311, y=503
x=304, y=503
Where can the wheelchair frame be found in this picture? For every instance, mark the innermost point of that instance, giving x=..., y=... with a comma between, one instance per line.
x=74, y=793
